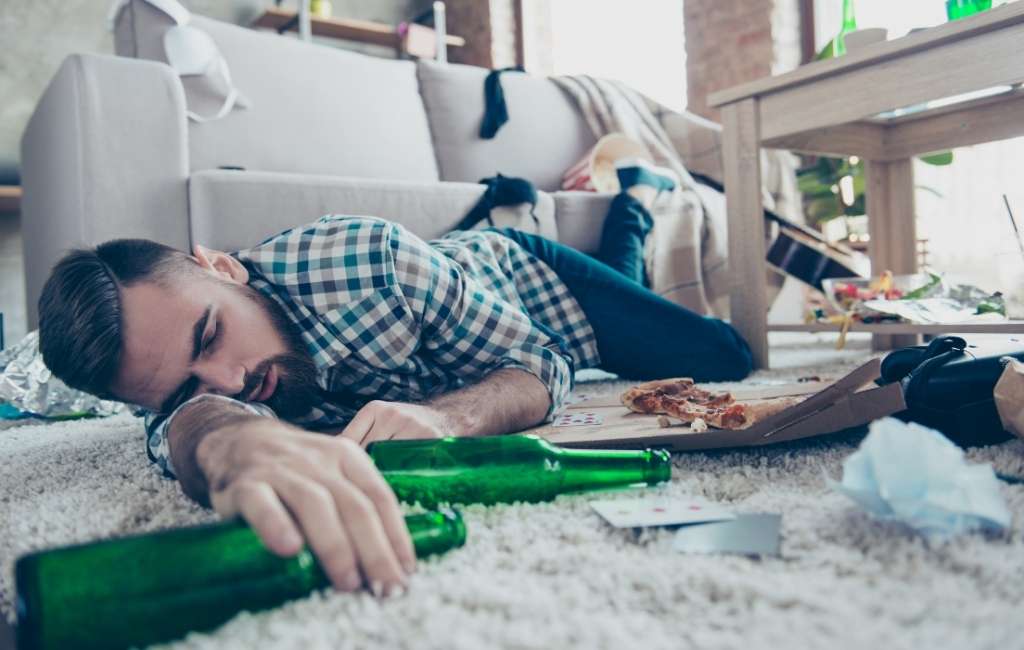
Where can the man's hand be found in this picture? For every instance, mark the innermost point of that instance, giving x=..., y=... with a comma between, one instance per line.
x=503, y=401
x=380, y=420
x=291, y=486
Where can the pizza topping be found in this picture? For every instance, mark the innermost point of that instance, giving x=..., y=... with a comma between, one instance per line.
x=681, y=400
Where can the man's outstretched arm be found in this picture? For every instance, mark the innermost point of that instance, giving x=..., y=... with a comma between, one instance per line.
x=293, y=486
x=514, y=372
x=505, y=400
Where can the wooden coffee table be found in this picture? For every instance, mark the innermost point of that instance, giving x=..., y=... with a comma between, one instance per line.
x=834, y=107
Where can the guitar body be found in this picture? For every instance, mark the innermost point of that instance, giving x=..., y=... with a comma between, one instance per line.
x=799, y=251
x=813, y=260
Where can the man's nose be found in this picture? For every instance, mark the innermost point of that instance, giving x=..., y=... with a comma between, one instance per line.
x=221, y=378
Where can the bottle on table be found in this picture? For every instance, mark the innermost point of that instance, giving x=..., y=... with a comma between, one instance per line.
x=145, y=589
x=505, y=469
x=957, y=9
x=849, y=25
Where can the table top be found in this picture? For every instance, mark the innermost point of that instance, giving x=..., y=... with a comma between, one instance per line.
x=876, y=53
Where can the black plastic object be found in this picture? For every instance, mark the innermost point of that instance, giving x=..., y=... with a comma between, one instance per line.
x=948, y=386
x=495, y=107
x=501, y=191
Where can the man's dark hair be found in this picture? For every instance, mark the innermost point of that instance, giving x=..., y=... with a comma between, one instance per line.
x=80, y=308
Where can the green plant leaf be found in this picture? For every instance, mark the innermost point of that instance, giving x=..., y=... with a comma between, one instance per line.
x=938, y=159
x=827, y=52
x=823, y=209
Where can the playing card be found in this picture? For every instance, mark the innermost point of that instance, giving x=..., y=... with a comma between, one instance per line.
x=633, y=513
x=756, y=534
x=575, y=398
x=578, y=419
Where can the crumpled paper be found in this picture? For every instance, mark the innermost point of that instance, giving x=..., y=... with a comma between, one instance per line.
x=28, y=386
x=1009, y=397
x=913, y=474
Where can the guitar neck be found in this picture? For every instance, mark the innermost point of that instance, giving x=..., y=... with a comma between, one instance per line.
x=777, y=218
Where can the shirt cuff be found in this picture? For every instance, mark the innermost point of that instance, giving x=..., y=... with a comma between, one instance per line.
x=157, y=446
x=557, y=376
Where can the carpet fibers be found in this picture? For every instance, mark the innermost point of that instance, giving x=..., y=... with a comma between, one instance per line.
x=555, y=576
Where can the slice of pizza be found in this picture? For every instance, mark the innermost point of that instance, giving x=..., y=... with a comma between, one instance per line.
x=649, y=397
x=737, y=415
x=681, y=400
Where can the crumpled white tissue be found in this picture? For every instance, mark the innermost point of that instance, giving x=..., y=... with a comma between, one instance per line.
x=910, y=473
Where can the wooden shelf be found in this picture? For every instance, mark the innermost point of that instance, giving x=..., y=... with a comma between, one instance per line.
x=1005, y=327
x=10, y=199
x=362, y=31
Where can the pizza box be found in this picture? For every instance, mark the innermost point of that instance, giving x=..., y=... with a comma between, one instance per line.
x=851, y=401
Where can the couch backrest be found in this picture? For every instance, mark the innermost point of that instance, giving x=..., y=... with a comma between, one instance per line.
x=545, y=134
x=311, y=109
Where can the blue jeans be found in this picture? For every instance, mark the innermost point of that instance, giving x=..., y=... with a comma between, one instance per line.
x=640, y=335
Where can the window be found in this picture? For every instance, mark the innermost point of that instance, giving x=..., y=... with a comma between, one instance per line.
x=639, y=43
x=960, y=207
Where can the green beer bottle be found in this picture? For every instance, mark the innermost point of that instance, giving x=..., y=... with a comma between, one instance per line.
x=849, y=25
x=504, y=469
x=145, y=589
x=957, y=9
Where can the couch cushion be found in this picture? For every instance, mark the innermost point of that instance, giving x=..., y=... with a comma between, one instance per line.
x=579, y=218
x=312, y=108
x=544, y=136
x=230, y=210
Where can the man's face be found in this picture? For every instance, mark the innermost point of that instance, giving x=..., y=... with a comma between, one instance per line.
x=206, y=331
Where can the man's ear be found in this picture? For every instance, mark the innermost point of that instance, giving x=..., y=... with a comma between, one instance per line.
x=220, y=264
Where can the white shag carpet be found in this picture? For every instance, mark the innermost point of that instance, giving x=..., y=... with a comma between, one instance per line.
x=555, y=576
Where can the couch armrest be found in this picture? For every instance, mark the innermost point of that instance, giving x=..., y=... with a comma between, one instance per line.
x=231, y=210
x=104, y=155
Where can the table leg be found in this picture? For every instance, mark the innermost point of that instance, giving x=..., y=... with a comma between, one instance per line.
x=741, y=139
x=893, y=229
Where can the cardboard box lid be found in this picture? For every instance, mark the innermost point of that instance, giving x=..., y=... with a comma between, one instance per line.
x=845, y=403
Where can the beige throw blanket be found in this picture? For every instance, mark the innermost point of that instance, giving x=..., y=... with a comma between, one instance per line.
x=685, y=254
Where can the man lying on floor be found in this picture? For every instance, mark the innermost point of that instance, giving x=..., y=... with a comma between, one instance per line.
x=354, y=325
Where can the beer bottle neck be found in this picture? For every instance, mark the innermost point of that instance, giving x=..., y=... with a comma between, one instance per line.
x=849, y=18
x=589, y=469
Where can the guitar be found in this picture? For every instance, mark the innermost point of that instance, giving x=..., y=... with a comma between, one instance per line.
x=800, y=251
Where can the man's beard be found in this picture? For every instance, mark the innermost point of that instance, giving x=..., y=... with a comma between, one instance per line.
x=297, y=390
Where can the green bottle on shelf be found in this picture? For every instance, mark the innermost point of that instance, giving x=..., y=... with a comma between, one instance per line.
x=505, y=469
x=849, y=25
x=144, y=589
x=957, y=9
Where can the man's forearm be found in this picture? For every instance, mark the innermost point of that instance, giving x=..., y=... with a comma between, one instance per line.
x=188, y=428
x=506, y=400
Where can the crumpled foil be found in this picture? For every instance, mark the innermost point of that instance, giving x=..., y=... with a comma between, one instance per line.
x=913, y=474
x=27, y=385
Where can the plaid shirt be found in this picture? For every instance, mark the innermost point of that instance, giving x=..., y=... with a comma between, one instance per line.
x=388, y=316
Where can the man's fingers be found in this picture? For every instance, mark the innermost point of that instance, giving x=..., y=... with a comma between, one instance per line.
x=260, y=506
x=360, y=470
x=360, y=425
x=379, y=561
x=376, y=435
x=314, y=508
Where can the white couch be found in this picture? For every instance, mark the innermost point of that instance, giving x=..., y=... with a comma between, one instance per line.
x=110, y=153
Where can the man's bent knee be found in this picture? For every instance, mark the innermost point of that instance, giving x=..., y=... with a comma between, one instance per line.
x=736, y=360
